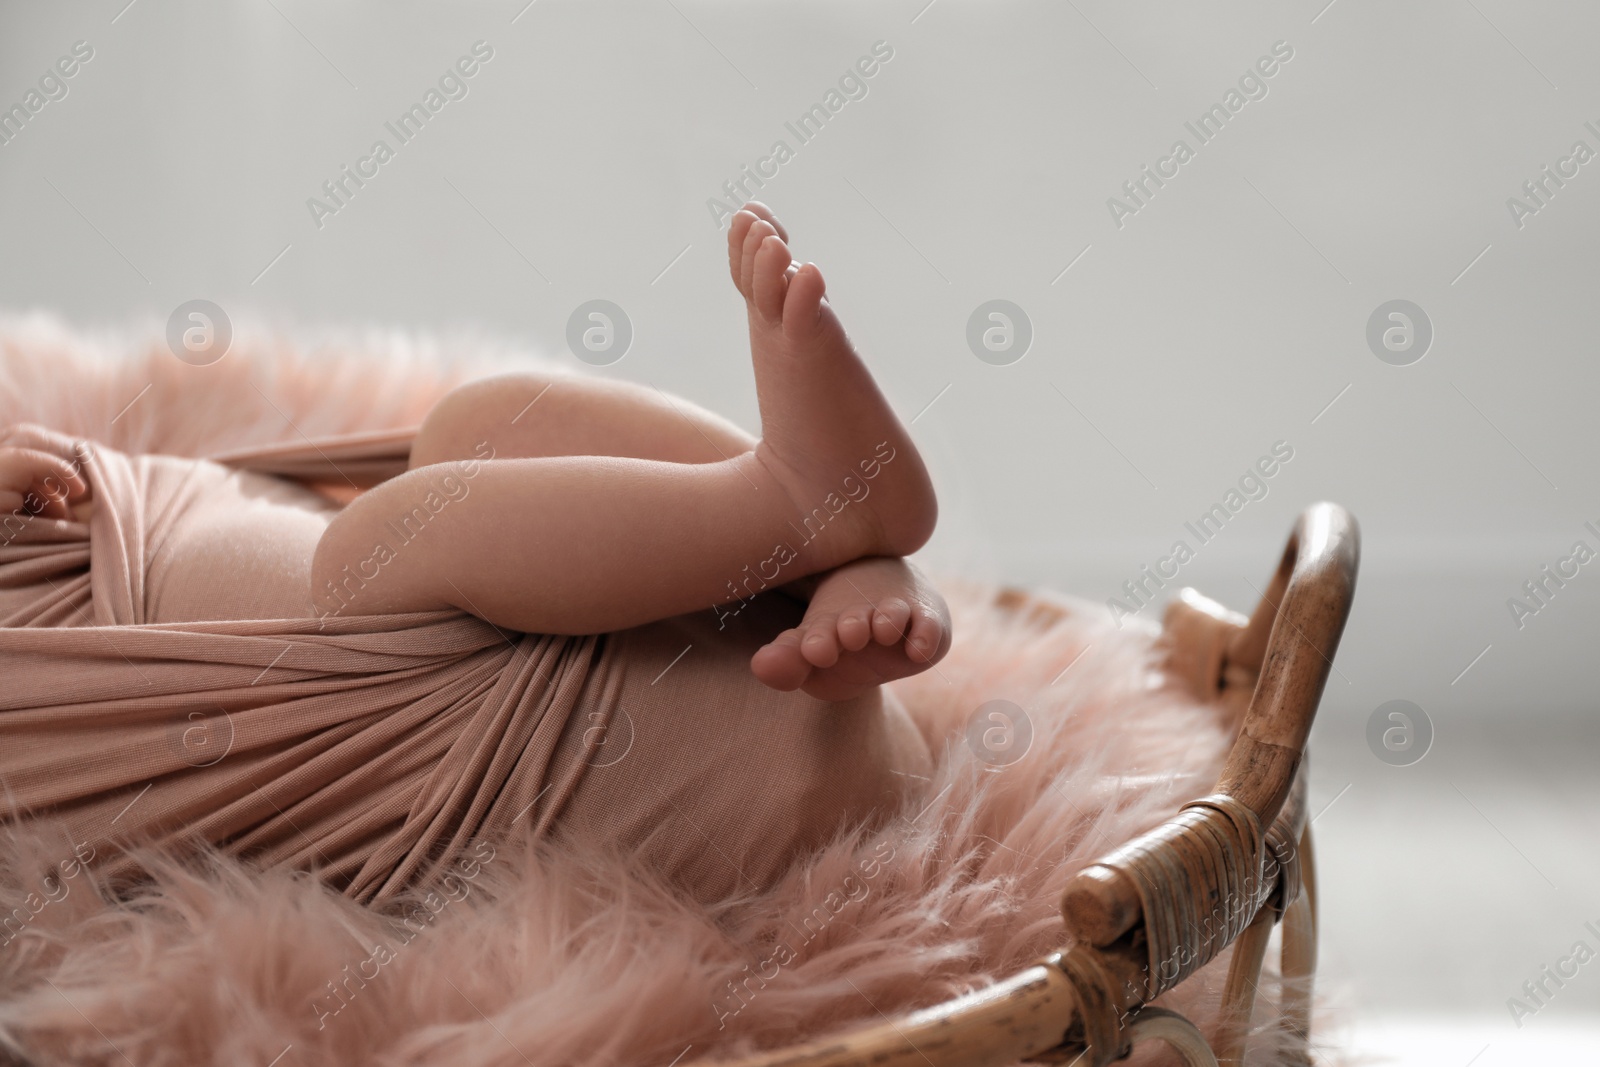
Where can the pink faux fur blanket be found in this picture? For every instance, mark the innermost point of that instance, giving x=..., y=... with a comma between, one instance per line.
x=571, y=955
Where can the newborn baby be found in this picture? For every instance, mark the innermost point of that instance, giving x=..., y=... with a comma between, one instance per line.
x=608, y=505
x=706, y=623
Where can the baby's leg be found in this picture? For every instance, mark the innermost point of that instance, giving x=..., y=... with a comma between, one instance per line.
x=868, y=622
x=526, y=413
x=589, y=544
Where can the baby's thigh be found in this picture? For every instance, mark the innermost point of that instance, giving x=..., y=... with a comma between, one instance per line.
x=479, y=419
x=537, y=413
x=720, y=783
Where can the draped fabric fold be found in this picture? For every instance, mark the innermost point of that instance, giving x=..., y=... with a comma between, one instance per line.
x=368, y=748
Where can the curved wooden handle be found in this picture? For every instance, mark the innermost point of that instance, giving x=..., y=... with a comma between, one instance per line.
x=1291, y=638
x=1014, y=1019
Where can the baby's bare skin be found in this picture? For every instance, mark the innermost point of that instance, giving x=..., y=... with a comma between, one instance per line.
x=871, y=620
x=34, y=480
x=868, y=622
x=609, y=507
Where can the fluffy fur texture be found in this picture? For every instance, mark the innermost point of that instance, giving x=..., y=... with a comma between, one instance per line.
x=568, y=956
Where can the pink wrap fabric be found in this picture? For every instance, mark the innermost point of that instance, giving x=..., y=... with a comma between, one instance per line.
x=163, y=678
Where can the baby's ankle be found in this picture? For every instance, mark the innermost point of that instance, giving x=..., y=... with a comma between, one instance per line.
x=830, y=521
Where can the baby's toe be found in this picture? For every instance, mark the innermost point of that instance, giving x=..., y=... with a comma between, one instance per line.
x=769, y=278
x=819, y=643
x=779, y=663
x=738, y=231
x=761, y=210
x=889, y=621
x=802, y=303
x=757, y=233
x=855, y=629
x=926, y=637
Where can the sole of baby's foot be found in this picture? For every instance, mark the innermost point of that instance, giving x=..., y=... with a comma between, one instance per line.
x=869, y=622
x=828, y=436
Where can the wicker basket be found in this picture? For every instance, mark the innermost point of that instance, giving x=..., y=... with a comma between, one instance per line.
x=1222, y=871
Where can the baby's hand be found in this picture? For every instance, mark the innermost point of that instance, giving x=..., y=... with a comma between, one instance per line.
x=869, y=622
x=33, y=482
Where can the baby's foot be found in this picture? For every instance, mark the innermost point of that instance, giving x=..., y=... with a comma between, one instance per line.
x=827, y=434
x=869, y=622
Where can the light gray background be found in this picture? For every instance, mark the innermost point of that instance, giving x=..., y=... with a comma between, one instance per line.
x=1228, y=314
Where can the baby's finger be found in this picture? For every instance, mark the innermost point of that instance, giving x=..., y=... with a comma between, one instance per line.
x=31, y=435
x=13, y=504
x=42, y=479
x=889, y=621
